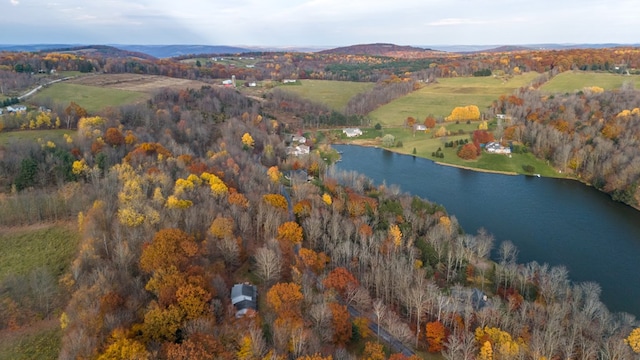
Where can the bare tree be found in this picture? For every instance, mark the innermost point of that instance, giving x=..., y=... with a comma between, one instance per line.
x=380, y=310
x=268, y=264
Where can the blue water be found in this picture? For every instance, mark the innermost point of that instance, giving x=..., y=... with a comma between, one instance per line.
x=554, y=221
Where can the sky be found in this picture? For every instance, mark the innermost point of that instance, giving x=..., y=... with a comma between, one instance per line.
x=321, y=23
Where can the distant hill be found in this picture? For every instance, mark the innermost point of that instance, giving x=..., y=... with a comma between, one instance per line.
x=166, y=51
x=381, y=49
x=104, y=50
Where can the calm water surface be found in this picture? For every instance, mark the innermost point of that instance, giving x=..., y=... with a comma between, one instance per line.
x=554, y=221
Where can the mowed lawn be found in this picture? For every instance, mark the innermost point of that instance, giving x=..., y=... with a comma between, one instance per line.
x=440, y=98
x=335, y=94
x=573, y=81
x=92, y=98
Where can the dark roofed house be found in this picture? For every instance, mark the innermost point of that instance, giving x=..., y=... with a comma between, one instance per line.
x=245, y=298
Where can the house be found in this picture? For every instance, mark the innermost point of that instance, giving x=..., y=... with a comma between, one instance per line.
x=352, y=132
x=298, y=150
x=16, y=109
x=495, y=148
x=227, y=82
x=252, y=84
x=244, y=298
x=419, y=127
x=501, y=116
x=1, y=111
x=288, y=81
x=299, y=139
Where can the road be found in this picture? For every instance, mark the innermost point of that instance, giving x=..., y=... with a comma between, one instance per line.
x=394, y=343
x=38, y=88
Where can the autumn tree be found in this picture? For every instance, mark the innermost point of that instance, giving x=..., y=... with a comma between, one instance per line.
x=340, y=279
x=468, y=152
x=268, y=264
x=341, y=323
x=285, y=299
x=113, y=137
x=436, y=336
x=74, y=113
x=170, y=247
x=290, y=232
x=633, y=340
x=373, y=351
x=123, y=348
x=469, y=112
x=247, y=141
x=430, y=122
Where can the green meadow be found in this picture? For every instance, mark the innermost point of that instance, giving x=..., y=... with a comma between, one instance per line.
x=573, y=81
x=10, y=137
x=335, y=94
x=92, y=98
x=49, y=246
x=440, y=98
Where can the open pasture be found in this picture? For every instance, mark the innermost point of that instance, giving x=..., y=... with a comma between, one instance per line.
x=440, y=98
x=574, y=81
x=335, y=94
x=96, y=92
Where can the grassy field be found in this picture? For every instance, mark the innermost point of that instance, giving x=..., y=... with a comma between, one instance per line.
x=425, y=144
x=93, y=99
x=26, y=249
x=10, y=137
x=335, y=94
x=40, y=343
x=573, y=81
x=440, y=98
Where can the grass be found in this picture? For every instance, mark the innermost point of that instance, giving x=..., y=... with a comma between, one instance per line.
x=10, y=137
x=26, y=249
x=42, y=343
x=440, y=98
x=93, y=99
x=335, y=94
x=573, y=81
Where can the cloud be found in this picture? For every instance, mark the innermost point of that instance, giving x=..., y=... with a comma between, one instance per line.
x=15, y=2
x=469, y=21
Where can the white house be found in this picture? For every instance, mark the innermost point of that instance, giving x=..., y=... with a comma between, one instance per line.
x=227, y=82
x=17, y=108
x=419, y=127
x=352, y=132
x=287, y=81
x=1, y=111
x=298, y=150
x=495, y=148
x=299, y=139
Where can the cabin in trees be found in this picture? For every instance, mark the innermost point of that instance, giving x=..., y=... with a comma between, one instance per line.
x=245, y=299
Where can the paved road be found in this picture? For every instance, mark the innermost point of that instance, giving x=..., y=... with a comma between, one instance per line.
x=394, y=343
x=35, y=90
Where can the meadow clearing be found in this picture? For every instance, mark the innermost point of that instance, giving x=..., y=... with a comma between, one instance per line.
x=335, y=94
x=573, y=81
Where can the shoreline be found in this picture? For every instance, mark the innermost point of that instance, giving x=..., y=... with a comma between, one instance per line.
x=511, y=173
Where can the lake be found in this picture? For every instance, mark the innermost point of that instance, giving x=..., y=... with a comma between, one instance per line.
x=554, y=221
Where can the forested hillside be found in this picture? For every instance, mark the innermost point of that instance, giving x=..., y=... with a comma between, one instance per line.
x=592, y=134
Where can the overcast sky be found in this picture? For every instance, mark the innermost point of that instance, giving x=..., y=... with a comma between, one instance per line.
x=319, y=22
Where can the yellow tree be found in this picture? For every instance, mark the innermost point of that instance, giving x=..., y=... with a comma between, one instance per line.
x=486, y=352
x=247, y=141
x=395, y=234
x=285, y=299
x=290, y=232
x=633, y=340
x=373, y=351
x=123, y=348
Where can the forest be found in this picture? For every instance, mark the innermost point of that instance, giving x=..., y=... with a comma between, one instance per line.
x=178, y=198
